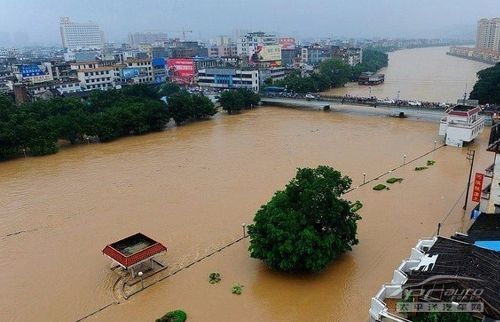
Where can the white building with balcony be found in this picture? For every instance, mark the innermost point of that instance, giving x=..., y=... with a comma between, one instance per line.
x=94, y=75
x=462, y=124
x=229, y=78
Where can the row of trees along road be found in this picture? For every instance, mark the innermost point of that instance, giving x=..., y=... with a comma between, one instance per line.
x=333, y=73
x=307, y=225
x=35, y=128
x=487, y=87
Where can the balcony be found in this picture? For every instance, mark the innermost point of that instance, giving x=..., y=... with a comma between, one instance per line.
x=488, y=172
x=485, y=193
x=494, y=142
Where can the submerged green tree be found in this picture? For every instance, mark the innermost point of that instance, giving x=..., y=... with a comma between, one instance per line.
x=232, y=101
x=307, y=225
x=236, y=100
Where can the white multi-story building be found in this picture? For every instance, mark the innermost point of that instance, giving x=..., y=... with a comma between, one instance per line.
x=228, y=78
x=105, y=75
x=93, y=75
x=488, y=34
x=247, y=43
x=76, y=35
x=463, y=124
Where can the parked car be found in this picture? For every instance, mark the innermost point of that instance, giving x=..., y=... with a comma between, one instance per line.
x=386, y=101
x=414, y=103
x=310, y=97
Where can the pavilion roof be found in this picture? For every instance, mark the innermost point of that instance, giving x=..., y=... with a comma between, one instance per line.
x=133, y=249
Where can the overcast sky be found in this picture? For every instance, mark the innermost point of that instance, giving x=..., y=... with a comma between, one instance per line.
x=37, y=21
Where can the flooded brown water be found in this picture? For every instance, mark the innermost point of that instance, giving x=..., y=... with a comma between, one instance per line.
x=191, y=187
x=426, y=74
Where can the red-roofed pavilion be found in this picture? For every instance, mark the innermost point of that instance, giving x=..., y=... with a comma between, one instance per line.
x=133, y=251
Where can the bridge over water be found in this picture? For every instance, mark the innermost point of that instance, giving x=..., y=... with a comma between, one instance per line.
x=388, y=110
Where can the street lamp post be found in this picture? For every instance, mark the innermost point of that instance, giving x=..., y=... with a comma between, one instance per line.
x=244, y=226
x=397, y=96
x=364, y=177
x=435, y=142
x=142, y=279
x=404, y=159
x=470, y=156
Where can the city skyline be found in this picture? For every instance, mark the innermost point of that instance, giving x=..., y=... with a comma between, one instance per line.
x=319, y=19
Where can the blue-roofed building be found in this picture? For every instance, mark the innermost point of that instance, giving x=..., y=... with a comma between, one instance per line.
x=34, y=73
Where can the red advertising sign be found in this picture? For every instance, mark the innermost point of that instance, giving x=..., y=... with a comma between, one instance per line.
x=478, y=187
x=181, y=70
x=287, y=42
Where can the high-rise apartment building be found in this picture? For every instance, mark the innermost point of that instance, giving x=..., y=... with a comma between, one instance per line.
x=137, y=38
x=76, y=35
x=488, y=34
x=247, y=44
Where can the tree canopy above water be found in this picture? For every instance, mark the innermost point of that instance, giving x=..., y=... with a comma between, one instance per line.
x=487, y=87
x=34, y=128
x=307, y=225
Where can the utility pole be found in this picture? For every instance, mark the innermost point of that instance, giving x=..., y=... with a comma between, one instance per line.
x=470, y=156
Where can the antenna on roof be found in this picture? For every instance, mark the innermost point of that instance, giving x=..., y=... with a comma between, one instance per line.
x=465, y=93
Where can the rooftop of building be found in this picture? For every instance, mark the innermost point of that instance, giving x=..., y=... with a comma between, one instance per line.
x=133, y=249
x=485, y=227
x=461, y=266
x=463, y=108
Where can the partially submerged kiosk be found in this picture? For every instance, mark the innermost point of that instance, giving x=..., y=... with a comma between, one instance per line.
x=134, y=251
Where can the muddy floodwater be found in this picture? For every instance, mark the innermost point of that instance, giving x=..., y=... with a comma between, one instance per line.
x=191, y=188
x=425, y=74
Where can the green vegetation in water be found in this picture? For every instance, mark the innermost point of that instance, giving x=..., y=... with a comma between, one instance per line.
x=394, y=180
x=430, y=162
x=356, y=206
x=486, y=89
x=184, y=107
x=214, y=278
x=380, y=186
x=237, y=289
x=420, y=168
x=35, y=128
x=173, y=316
x=236, y=100
x=306, y=226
